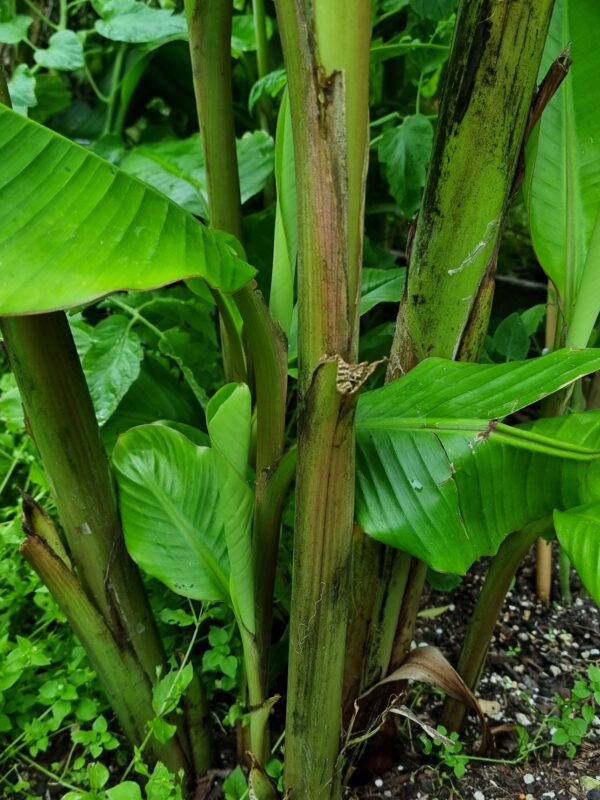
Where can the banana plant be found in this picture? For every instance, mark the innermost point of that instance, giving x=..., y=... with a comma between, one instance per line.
x=562, y=193
x=425, y=464
x=562, y=184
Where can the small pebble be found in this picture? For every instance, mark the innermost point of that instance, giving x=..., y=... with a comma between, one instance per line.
x=528, y=778
x=522, y=719
x=478, y=795
x=378, y=783
x=556, y=671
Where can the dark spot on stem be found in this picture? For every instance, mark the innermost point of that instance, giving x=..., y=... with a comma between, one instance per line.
x=481, y=35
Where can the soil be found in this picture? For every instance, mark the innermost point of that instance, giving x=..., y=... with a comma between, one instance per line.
x=536, y=652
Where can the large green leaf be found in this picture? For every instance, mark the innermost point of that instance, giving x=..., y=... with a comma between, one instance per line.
x=438, y=388
x=563, y=168
x=229, y=416
x=74, y=228
x=187, y=509
x=169, y=501
x=578, y=531
x=438, y=476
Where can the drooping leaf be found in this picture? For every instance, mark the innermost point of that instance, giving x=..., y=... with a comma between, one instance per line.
x=76, y=228
x=64, y=52
x=112, y=363
x=578, y=531
x=269, y=85
x=15, y=30
x=404, y=152
x=169, y=500
x=381, y=286
x=563, y=168
x=21, y=88
x=135, y=22
x=439, y=477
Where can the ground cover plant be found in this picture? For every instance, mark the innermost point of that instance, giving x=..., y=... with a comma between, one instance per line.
x=255, y=393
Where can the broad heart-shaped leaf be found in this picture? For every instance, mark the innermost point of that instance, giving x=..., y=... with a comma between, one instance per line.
x=169, y=500
x=135, y=22
x=563, y=166
x=186, y=511
x=228, y=417
x=439, y=477
x=74, y=228
x=64, y=52
x=21, y=88
x=578, y=531
x=405, y=151
x=112, y=363
x=15, y=30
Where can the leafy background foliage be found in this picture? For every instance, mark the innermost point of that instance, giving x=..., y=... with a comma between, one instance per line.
x=115, y=77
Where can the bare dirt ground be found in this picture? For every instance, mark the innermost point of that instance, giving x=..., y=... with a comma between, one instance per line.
x=537, y=652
